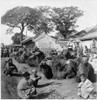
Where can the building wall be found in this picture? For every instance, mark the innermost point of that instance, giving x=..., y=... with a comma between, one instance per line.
x=47, y=42
x=87, y=43
x=29, y=44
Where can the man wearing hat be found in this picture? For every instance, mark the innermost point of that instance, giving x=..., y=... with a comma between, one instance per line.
x=25, y=87
x=70, y=45
x=10, y=68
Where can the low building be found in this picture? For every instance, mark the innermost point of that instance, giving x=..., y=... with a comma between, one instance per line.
x=46, y=42
x=28, y=43
x=87, y=40
x=63, y=43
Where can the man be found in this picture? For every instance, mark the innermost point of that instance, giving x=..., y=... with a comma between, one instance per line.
x=47, y=70
x=93, y=48
x=25, y=87
x=86, y=68
x=71, y=45
x=86, y=50
x=93, y=45
x=78, y=48
x=10, y=68
x=70, y=69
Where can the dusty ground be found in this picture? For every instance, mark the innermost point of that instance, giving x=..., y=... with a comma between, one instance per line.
x=48, y=89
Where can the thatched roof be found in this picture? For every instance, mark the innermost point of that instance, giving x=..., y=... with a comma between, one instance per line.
x=89, y=36
x=91, y=29
x=27, y=40
x=42, y=36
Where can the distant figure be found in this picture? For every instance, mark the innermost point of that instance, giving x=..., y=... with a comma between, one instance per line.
x=5, y=52
x=71, y=45
x=10, y=68
x=78, y=48
x=85, y=88
x=86, y=50
x=10, y=51
x=93, y=45
x=25, y=87
x=2, y=52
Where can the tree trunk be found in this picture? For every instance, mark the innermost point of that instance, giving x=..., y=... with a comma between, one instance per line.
x=22, y=30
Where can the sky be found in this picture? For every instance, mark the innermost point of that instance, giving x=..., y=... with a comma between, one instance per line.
x=89, y=7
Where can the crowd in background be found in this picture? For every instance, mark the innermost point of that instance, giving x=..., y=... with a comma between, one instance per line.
x=72, y=45
x=6, y=51
x=81, y=69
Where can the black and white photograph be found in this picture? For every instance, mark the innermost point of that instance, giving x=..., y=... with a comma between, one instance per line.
x=48, y=49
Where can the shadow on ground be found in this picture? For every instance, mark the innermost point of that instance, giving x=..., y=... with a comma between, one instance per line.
x=42, y=95
x=47, y=84
x=44, y=85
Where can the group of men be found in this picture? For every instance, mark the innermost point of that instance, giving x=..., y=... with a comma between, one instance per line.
x=77, y=46
x=6, y=51
x=26, y=87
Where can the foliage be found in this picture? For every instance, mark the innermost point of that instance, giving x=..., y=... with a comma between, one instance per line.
x=65, y=19
x=44, y=24
x=42, y=19
x=58, y=35
x=16, y=38
x=20, y=17
x=61, y=19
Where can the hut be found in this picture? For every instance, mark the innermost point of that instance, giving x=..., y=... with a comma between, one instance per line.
x=28, y=43
x=46, y=42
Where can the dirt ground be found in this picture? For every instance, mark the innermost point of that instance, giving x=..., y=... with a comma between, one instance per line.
x=48, y=89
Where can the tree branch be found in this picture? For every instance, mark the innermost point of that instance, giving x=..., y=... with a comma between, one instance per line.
x=14, y=26
x=25, y=25
x=19, y=27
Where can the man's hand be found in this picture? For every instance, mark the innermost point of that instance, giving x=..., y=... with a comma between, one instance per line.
x=38, y=77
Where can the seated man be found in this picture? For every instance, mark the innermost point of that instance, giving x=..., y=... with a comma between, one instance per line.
x=35, y=77
x=86, y=68
x=10, y=68
x=71, y=45
x=85, y=88
x=69, y=71
x=25, y=87
x=47, y=70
